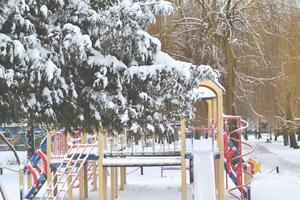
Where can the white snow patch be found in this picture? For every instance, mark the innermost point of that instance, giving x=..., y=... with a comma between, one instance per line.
x=44, y=11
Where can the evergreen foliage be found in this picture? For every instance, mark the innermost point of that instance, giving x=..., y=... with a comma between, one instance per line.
x=74, y=63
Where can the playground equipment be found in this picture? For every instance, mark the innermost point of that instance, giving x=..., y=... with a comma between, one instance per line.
x=254, y=166
x=65, y=162
x=62, y=162
x=236, y=168
x=204, y=170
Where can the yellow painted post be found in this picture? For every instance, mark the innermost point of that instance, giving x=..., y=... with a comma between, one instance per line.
x=214, y=110
x=82, y=178
x=105, y=168
x=122, y=178
x=81, y=185
x=85, y=170
x=69, y=140
x=247, y=181
x=219, y=122
x=209, y=112
x=183, y=163
x=94, y=165
x=214, y=107
x=102, y=173
x=49, y=155
x=125, y=176
x=104, y=180
x=217, y=173
x=112, y=183
x=21, y=182
x=55, y=147
x=55, y=182
x=125, y=140
x=29, y=180
x=70, y=192
x=116, y=183
x=85, y=175
x=220, y=141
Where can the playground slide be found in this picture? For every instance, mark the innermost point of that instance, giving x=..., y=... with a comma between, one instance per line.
x=39, y=175
x=36, y=188
x=35, y=158
x=204, y=170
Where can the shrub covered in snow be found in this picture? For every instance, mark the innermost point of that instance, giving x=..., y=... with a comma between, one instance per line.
x=78, y=62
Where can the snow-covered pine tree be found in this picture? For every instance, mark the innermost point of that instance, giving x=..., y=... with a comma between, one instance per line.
x=113, y=70
x=30, y=82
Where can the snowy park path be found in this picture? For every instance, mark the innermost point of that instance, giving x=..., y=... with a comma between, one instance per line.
x=268, y=185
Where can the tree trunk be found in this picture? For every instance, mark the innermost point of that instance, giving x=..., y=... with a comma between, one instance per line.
x=285, y=137
x=276, y=135
x=289, y=116
x=30, y=139
x=298, y=134
x=230, y=79
x=293, y=141
x=230, y=86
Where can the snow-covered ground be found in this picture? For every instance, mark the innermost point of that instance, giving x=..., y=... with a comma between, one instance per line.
x=8, y=158
x=268, y=185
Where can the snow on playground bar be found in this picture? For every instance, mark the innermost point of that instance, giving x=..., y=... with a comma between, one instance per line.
x=62, y=163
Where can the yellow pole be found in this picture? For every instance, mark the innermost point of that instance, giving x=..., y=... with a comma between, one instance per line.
x=209, y=112
x=21, y=182
x=219, y=122
x=116, y=183
x=55, y=182
x=94, y=165
x=102, y=170
x=81, y=185
x=221, y=147
x=105, y=168
x=122, y=178
x=55, y=144
x=125, y=140
x=29, y=180
x=70, y=192
x=247, y=180
x=69, y=139
x=183, y=163
x=49, y=155
x=112, y=183
x=85, y=176
x=214, y=110
x=81, y=173
x=125, y=176
x=220, y=144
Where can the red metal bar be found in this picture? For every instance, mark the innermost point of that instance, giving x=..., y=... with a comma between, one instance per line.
x=44, y=159
x=38, y=169
x=34, y=176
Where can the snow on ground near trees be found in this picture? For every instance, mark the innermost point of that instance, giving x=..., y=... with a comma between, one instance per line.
x=270, y=185
x=266, y=185
x=8, y=158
